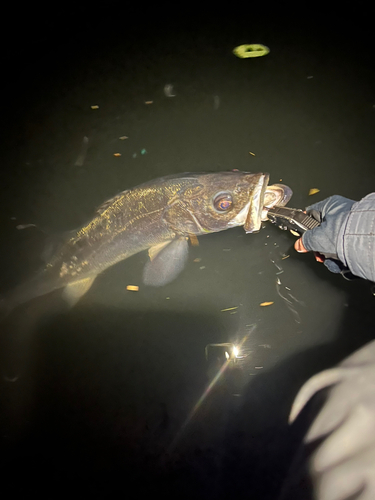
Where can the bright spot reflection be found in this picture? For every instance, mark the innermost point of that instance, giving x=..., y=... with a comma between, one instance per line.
x=211, y=385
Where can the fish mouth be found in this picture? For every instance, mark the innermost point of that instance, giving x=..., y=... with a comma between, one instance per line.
x=263, y=198
x=275, y=195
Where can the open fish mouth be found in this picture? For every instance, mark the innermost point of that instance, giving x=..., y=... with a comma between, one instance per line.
x=276, y=195
x=264, y=198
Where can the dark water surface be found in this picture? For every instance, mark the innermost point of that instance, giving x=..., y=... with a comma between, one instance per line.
x=105, y=398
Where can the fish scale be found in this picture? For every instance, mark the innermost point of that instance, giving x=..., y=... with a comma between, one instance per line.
x=158, y=216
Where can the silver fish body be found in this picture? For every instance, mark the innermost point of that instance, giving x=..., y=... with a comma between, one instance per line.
x=159, y=216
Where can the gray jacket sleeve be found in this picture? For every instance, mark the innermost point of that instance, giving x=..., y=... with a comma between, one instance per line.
x=356, y=241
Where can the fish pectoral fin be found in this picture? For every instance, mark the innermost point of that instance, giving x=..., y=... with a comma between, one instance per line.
x=156, y=249
x=73, y=292
x=167, y=262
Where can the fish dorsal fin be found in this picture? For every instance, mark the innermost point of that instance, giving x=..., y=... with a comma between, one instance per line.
x=167, y=263
x=103, y=207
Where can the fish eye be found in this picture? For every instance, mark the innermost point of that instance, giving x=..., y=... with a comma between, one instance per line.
x=222, y=202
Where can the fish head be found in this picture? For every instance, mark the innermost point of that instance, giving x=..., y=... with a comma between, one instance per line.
x=213, y=202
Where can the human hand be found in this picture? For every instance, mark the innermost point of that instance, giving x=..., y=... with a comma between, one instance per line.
x=332, y=213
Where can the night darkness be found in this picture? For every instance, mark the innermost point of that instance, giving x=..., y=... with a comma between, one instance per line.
x=98, y=400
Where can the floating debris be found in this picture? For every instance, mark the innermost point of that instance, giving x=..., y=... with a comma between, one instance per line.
x=251, y=153
x=202, y=267
x=94, y=106
x=168, y=90
x=258, y=367
x=194, y=240
x=266, y=346
x=313, y=191
x=229, y=309
x=251, y=50
x=216, y=102
x=116, y=154
x=285, y=257
x=167, y=298
x=279, y=268
x=82, y=156
x=24, y=226
x=226, y=249
x=132, y=288
x=295, y=233
x=134, y=155
x=264, y=304
x=143, y=151
x=149, y=102
x=198, y=259
x=309, y=77
x=123, y=137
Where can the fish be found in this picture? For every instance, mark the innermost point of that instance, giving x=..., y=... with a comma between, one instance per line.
x=159, y=216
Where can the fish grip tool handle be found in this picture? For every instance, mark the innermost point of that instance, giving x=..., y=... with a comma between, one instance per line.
x=293, y=219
